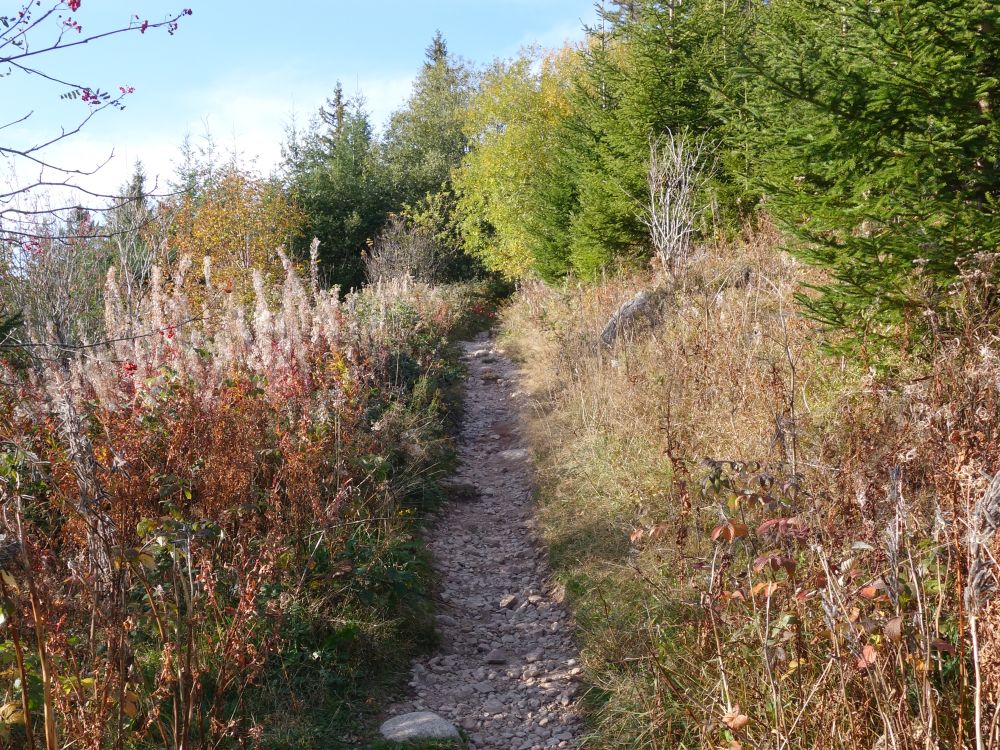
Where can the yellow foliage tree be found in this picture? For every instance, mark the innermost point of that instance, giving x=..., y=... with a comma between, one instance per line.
x=238, y=221
x=512, y=123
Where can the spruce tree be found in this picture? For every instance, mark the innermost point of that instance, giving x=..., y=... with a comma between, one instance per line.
x=649, y=66
x=876, y=129
x=335, y=173
x=425, y=141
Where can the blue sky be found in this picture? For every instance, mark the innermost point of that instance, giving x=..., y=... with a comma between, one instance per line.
x=240, y=69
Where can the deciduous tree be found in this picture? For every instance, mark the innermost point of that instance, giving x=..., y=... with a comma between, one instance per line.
x=335, y=173
x=238, y=223
x=513, y=124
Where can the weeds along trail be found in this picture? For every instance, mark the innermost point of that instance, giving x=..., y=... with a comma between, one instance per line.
x=507, y=668
x=207, y=521
x=765, y=545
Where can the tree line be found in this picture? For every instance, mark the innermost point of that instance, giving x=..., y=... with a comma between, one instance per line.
x=867, y=129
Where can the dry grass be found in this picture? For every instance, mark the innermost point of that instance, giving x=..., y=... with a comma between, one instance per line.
x=803, y=586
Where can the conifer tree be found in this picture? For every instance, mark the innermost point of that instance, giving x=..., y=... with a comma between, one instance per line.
x=425, y=140
x=336, y=175
x=648, y=67
x=877, y=132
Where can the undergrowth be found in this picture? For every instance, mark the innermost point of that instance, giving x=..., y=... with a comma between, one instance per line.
x=766, y=545
x=209, y=519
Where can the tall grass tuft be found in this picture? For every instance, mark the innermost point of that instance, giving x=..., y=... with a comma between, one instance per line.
x=765, y=545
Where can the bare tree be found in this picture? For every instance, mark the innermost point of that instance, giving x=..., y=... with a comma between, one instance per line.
x=677, y=167
x=136, y=242
x=28, y=37
x=402, y=250
x=53, y=283
x=43, y=202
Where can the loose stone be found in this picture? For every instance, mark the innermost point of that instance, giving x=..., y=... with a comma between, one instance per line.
x=496, y=656
x=503, y=672
x=418, y=725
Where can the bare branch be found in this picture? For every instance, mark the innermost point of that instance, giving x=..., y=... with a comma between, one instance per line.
x=169, y=23
x=65, y=346
x=676, y=170
x=15, y=49
x=402, y=250
x=18, y=121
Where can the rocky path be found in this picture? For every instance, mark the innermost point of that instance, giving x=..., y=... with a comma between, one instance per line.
x=506, y=672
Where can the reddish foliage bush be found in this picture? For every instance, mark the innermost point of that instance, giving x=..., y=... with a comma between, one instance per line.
x=169, y=495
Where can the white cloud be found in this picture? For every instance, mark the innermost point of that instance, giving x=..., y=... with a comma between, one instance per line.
x=554, y=38
x=110, y=162
x=383, y=95
x=246, y=117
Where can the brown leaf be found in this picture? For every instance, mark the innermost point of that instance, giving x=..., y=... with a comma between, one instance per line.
x=734, y=719
x=780, y=527
x=658, y=530
x=775, y=561
x=893, y=629
x=942, y=645
x=729, y=531
x=636, y=535
x=868, y=657
x=766, y=587
x=130, y=704
x=869, y=592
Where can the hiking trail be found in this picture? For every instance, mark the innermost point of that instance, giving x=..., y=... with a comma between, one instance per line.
x=506, y=671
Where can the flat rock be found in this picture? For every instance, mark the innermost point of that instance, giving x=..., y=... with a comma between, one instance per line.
x=496, y=656
x=508, y=602
x=493, y=706
x=418, y=725
x=514, y=454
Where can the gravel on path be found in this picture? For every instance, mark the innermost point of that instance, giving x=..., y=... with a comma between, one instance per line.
x=507, y=670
